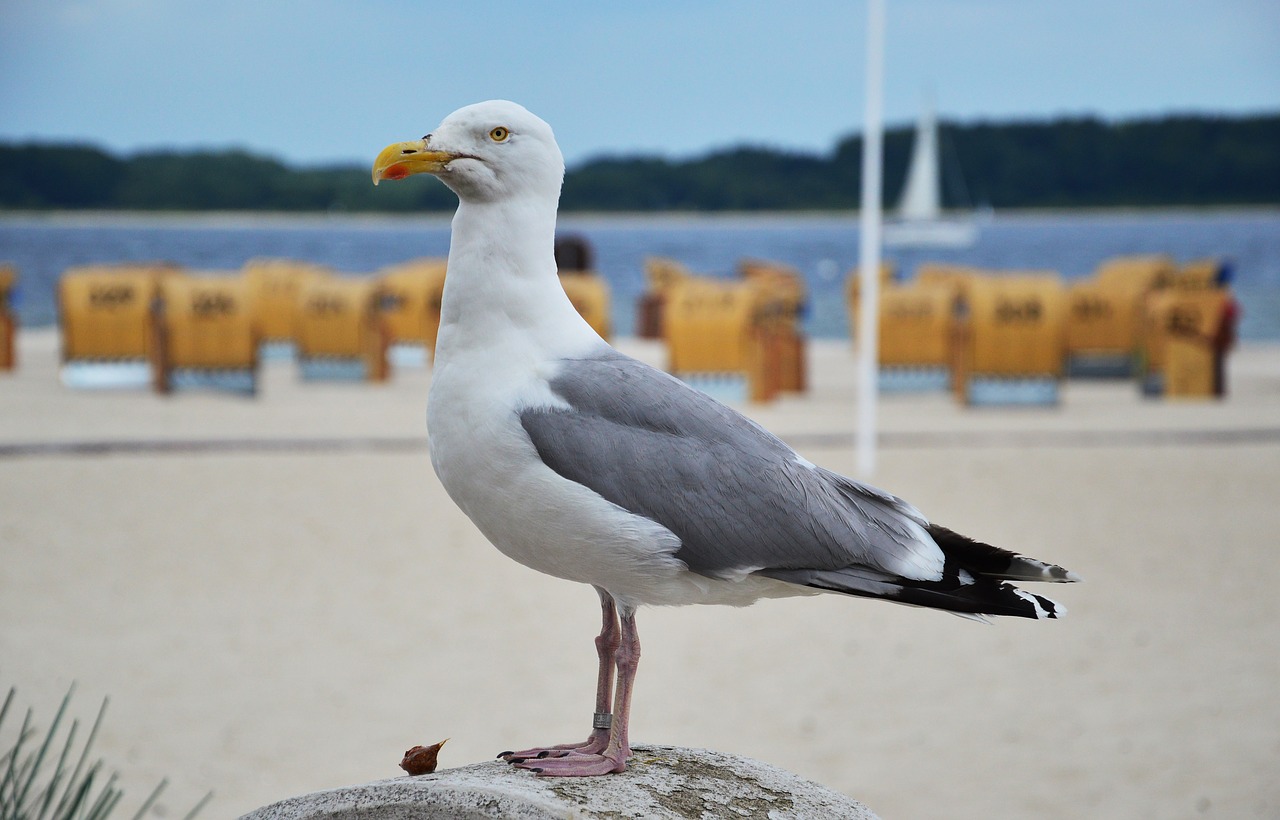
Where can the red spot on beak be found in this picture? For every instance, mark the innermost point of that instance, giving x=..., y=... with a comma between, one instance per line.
x=396, y=171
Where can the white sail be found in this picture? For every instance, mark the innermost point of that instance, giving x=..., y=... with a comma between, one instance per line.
x=922, y=195
x=919, y=221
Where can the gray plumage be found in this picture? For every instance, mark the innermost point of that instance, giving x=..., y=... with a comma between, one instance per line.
x=735, y=494
x=741, y=501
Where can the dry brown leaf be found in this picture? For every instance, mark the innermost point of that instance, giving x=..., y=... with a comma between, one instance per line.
x=422, y=759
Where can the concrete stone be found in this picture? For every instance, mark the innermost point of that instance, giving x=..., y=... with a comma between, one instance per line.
x=660, y=782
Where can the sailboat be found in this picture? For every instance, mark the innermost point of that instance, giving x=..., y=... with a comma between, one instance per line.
x=919, y=221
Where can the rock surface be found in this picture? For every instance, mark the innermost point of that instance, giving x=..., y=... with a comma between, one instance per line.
x=660, y=782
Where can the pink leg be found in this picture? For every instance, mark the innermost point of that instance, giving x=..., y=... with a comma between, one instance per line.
x=606, y=649
x=613, y=758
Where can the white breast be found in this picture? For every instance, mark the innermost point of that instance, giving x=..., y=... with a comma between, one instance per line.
x=491, y=470
x=506, y=328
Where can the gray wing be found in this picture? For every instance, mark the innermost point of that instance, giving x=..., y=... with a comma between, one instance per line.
x=736, y=496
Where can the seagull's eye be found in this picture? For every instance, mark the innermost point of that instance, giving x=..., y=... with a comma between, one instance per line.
x=499, y=134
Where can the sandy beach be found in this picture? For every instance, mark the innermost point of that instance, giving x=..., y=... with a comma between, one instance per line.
x=278, y=597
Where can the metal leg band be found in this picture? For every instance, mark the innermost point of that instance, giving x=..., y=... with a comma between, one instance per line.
x=602, y=720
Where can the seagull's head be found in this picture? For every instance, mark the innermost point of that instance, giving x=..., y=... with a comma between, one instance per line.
x=488, y=151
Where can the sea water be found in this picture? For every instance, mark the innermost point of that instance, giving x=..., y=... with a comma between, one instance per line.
x=824, y=248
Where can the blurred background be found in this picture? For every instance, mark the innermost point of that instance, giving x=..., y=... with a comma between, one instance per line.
x=129, y=105
x=279, y=597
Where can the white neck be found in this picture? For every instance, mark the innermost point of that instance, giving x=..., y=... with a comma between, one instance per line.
x=502, y=289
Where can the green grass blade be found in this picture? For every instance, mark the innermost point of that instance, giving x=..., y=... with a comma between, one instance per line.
x=106, y=801
x=10, y=785
x=199, y=806
x=4, y=710
x=50, y=790
x=151, y=798
x=32, y=778
x=84, y=755
x=71, y=804
x=34, y=769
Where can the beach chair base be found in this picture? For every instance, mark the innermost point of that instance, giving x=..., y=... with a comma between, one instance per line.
x=241, y=381
x=333, y=370
x=914, y=379
x=122, y=375
x=986, y=391
x=1101, y=366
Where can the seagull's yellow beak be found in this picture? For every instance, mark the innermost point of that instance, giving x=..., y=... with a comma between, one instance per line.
x=403, y=159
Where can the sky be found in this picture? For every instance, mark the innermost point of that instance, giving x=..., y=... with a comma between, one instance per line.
x=327, y=81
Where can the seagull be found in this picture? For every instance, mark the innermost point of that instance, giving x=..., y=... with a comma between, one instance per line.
x=585, y=464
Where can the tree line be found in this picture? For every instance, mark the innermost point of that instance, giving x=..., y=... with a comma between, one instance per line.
x=1068, y=162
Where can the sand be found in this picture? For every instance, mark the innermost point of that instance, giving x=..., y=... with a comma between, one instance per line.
x=282, y=599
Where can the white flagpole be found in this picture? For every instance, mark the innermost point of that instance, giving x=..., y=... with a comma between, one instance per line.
x=869, y=242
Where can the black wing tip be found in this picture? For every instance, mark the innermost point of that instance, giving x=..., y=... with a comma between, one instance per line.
x=975, y=597
x=994, y=562
x=996, y=599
